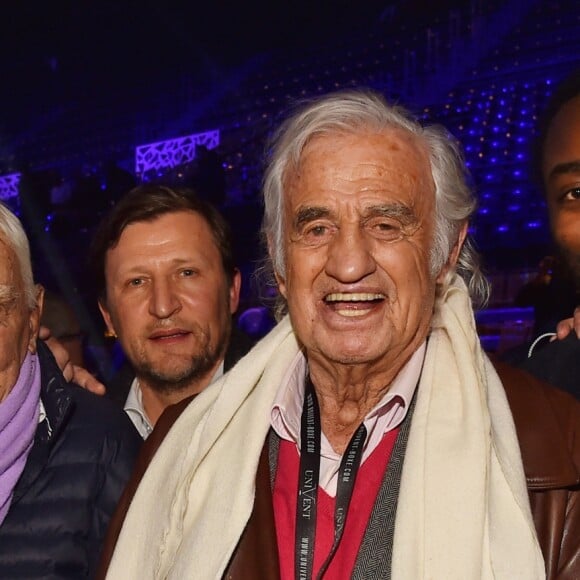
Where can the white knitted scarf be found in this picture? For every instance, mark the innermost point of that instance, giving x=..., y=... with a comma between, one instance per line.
x=463, y=510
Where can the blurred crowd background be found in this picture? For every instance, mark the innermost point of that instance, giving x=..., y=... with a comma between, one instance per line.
x=97, y=99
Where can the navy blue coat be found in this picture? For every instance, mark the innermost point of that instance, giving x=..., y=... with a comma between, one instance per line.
x=81, y=458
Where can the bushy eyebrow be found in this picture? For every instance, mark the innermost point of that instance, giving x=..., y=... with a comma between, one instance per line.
x=140, y=269
x=308, y=214
x=7, y=294
x=400, y=212
x=565, y=168
x=8, y=297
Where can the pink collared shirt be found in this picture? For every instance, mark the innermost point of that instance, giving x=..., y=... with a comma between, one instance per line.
x=385, y=416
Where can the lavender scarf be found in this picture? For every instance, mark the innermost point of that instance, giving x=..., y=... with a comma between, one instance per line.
x=18, y=422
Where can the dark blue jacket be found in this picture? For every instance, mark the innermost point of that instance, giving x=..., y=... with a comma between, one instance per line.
x=557, y=363
x=81, y=458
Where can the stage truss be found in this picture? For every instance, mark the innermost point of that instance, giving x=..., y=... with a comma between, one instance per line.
x=163, y=155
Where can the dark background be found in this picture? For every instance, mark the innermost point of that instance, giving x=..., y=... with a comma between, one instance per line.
x=85, y=83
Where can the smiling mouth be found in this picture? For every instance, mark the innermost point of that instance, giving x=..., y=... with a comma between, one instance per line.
x=353, y=304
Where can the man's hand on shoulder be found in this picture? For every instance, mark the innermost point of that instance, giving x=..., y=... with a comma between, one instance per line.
x=71, y=372
x=87, y=381
x=565, y=327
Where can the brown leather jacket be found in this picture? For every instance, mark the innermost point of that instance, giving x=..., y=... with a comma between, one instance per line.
x=548, y=427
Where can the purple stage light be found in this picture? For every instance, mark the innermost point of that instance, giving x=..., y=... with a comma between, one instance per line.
x=9, y=186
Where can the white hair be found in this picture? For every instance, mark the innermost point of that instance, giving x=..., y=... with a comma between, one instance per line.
x=13, y=234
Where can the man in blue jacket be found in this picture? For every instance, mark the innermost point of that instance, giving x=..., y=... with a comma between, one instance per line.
x=65, y=454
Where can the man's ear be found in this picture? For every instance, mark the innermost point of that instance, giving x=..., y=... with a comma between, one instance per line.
x=34, y=320
x=454, y=254
x=107, y=318
x=235, y=291
x=281, y=285
x=280, y=281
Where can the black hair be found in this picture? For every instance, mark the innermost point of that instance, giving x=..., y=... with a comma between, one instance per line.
x=567, y=90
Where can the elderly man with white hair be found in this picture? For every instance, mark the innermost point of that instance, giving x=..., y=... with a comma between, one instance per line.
x=368, y=435
x=65, y=454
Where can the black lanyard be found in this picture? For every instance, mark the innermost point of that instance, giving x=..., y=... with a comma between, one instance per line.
x=306, y=505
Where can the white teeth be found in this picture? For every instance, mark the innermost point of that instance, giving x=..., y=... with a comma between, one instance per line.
x=354, y=297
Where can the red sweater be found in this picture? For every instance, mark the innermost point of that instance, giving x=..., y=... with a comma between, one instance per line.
x=366, y=487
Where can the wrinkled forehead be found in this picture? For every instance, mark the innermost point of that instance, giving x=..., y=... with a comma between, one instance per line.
x=11, y=285
x=391, y=141
x=9, y=268
x=391, y=160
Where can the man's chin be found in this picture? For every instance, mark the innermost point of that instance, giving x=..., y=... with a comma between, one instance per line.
x=572, y=265
x=576, y=274
x=175, y=378
x=170, y=382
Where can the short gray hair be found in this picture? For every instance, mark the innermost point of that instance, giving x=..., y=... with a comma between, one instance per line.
x=13, y=234
x=356, y=111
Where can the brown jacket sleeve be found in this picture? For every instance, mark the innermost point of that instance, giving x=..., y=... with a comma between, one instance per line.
x=256, y=555
x=547, y=422
x=162, y=427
